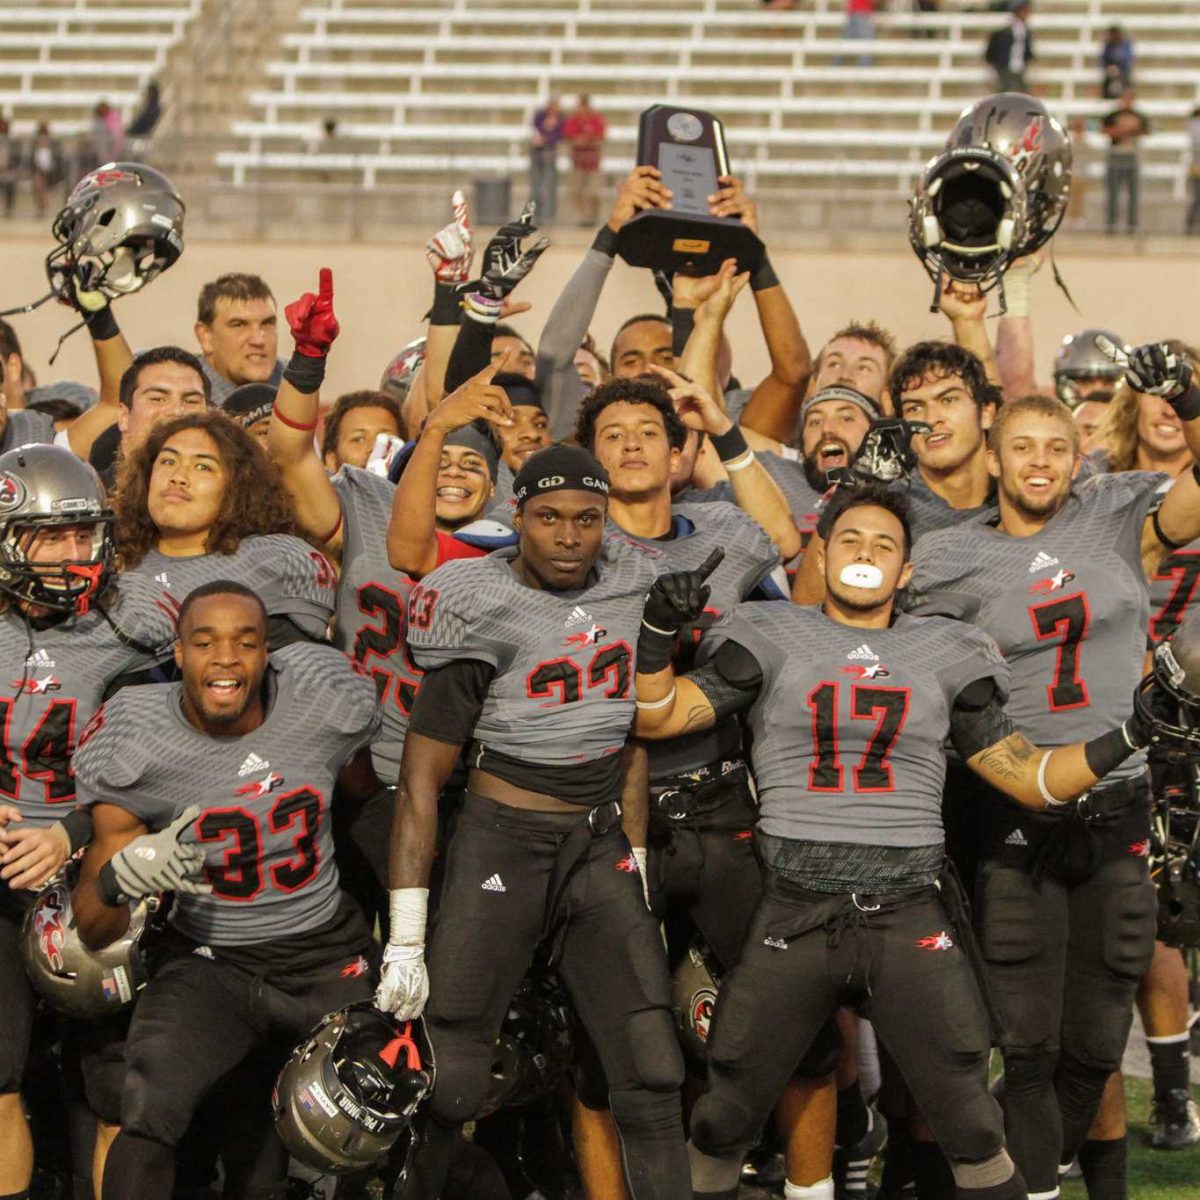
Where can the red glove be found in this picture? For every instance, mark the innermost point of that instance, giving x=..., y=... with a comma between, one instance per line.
x=311, y=320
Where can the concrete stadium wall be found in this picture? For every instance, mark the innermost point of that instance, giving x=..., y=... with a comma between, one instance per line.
x=382, y=292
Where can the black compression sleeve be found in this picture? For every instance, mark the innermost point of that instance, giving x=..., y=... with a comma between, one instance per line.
x=1107, y=752
x=730, y=680
x=978, y=719
x=472, y=352
x=450, y=699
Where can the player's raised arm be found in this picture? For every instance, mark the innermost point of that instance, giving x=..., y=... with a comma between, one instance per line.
x=1036, y=778
x=294, y=416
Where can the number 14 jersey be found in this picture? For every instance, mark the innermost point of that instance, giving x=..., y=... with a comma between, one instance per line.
x=1068, y=605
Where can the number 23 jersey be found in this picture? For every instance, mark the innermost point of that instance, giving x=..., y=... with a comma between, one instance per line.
x=1068, y=605
x=264, y=798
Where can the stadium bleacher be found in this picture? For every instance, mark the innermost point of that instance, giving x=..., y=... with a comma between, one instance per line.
x=424, y=94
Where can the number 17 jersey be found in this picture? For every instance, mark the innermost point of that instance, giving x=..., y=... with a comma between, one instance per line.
x=1068, y=605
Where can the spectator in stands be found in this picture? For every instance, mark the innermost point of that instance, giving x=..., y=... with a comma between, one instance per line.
x=1116, y=63
x=1193, y=131
x=1125, y=127
x=546, y=131
x=860, y=25
x=45, y=166
x=1010, y=49
x=925, y=6
x=108, y=134
x=148, y=116
x=10, y=166
x=238, y=332
x=586, y=130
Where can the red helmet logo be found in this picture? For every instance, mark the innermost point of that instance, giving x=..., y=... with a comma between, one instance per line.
x=12, y=491
x=49, y=928
x=702, y=1011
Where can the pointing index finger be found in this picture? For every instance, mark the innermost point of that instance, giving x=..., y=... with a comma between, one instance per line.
x=712, y=562
x=1111, y=350
x=325, y=286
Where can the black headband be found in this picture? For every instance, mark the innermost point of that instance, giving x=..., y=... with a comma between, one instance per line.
x=559, y=469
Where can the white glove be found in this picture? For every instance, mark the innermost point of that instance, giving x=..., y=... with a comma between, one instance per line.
x=639, y=857
x=448, y=252
x=404, y=982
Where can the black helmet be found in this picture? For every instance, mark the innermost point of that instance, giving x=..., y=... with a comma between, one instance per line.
x=968, y=215
x=347, y=1093
x=1018, y=128
x=42, y=487
x=121, y=226
x=693, y=996
x=1168, y=699
x=1080, y=358
x=533, y=1050
x=1175, y=863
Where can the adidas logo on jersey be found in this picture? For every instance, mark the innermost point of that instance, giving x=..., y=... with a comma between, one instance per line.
x=39, y=660
x=251, y=764
x=579, y=616
x=864, y=652
x=1016, y=838
x=1041, y=561
x=493, y=883
x=775, y=943
x=162, y=578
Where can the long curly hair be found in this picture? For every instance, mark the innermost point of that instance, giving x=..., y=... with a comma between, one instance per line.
x=1116, y=435
x=254, y=501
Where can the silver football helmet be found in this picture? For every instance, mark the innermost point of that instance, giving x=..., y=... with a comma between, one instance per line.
x=121, y=226
x=43, y=488
x=1079, y=358
x=64, y=972
x=347, y=1093
x=1019, y=129
x=693, y=997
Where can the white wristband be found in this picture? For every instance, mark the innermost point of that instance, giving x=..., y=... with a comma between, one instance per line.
x=740, y=463
x=1051, y=802
x=1018, y=283
x=650, y=705
x=408, y=907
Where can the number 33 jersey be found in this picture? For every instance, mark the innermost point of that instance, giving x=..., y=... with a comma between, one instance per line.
x=562, y=692
x=847, y=731
x=1068, y=605
x=264, y=798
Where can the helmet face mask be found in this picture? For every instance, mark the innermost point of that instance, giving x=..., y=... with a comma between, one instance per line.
x=43, y=488
x=121, y=227
x=1079, y=359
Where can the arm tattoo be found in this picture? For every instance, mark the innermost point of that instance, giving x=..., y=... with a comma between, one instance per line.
x=1009, y=759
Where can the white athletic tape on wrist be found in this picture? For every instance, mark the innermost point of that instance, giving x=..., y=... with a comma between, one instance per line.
x=409, y=909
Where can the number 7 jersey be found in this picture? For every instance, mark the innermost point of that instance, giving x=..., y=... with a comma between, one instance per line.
x=1068, y=605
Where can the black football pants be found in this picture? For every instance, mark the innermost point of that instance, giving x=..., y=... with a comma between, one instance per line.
x=1063, y=963
x=495, y=909
x=16, y=992
x=899, y=964
x=197, y=1020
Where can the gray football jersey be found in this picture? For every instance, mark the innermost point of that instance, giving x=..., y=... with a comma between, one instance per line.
x=927, y=511
x=1173, y=589
x=847, y=731
x=56, y=678
x=293, y=579
x=264, y=797
x=1068, y=605
x=562, y=692
x=372, y=607
x=25, y=426
x=750, y=556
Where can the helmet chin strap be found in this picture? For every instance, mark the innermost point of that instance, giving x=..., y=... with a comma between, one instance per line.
x=27, y=308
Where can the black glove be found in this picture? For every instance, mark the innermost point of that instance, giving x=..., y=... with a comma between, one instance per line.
x=885, y=456
x=505, y=264
x=1157, y=370
x=678, y=599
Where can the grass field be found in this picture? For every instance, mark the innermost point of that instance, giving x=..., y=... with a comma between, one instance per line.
x=1153, y=1174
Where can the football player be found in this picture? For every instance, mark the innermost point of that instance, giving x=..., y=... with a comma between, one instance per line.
x=65, y=639
x=528, y=655
x=856, y=908
x=218, y=788
x=197, y=501
x=1066, y=908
